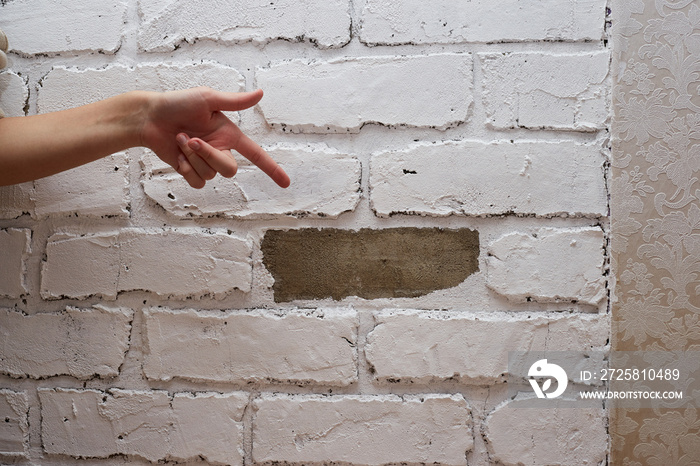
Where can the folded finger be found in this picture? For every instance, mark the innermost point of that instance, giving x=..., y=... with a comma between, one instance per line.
x=221, y=161
x=188, y=173
x=200, y=166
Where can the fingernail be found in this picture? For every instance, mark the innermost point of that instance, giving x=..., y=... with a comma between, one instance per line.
x=181, y=159
x=181, y=139
x=194, y=144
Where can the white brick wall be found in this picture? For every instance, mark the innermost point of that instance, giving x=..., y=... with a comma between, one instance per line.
x=252, y=346
x=477, y=178
x=537, y=90
x=445, y=21
x=323, y=22
x=14, y=423
x=147, y=424
x=433, y=91
x=423, y=429
x=15, y=246
x=79, y=343
x=428, y=346
x=138, y=322
x=184, y=263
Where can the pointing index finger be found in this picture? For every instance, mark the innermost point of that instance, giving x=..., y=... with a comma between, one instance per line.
x=256, y=154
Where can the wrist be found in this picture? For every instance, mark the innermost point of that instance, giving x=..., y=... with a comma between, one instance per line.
x=138, y=109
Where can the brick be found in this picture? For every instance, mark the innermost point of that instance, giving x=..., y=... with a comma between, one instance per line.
x=98, y=189
x=65, y=26
x=320, y=263
x=14, y=423
x=325, y=23
x=57, y=91
x=82, y=343
x=522, y=266
x=255, y=346
x=554, y=435
x=362, y=430
x=151, y=425
x=446, y=21
x=198, y=263
x=422, y=91
x=426, y=346
x=324, y=184
x=15, y=200
x=15, y=245
x=476, y=178
x=13, y=93
x=81, y=266
x=537, y=90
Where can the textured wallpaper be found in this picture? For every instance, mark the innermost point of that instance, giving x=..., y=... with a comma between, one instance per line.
x=655, y=215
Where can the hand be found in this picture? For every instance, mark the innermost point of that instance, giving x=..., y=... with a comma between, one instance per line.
x=187, y=130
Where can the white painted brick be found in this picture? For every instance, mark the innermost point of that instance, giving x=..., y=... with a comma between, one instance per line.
x=343, y=94
x=15, y=200
x=324, y=183
x=537, y=90
x=14, y=423
x=64, y=26
x=323, y=22
x=79, y=343
x=81, y=266
x=100, y=188
x=58, y=87
x=425, y=346
x=198, y=263
x=15, y=247
x=362, y=430
x=554, y=435
x=476, y=178
x=447, y=21
x=151, y=425
x=252, y=346
x=549, y=266
x=13, y=92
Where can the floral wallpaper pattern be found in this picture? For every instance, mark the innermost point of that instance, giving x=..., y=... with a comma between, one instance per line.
x=655, y=214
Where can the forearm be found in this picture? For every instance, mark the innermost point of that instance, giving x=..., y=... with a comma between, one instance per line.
x=41, y=145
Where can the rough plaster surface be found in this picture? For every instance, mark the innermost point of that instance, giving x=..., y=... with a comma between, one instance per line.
x=477, y=178
x=363, y=430
x=197, y=262
x=97, y=189
x=426, y=346
x=314, y=264
x=433, y=91
x=152, y=425
x=166, y=24
x=536, y=90
x=15, y=200
x=519, y=435
x=14, y=424
x=252, y=195
x=13, y=93
x=81, y=343
x=73, y=26
x=254, y=346
x=15, y=245
x=521, y=266
x=447, y=21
